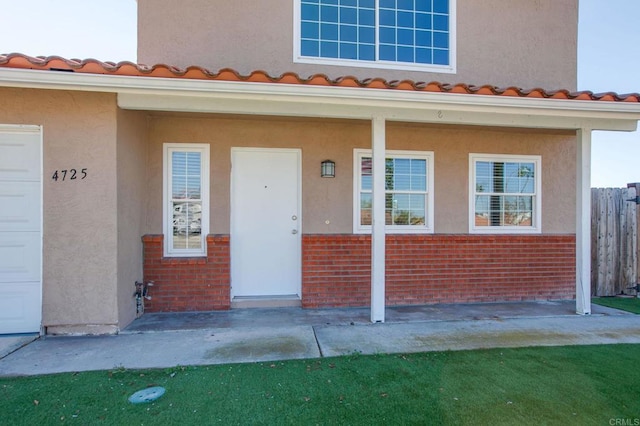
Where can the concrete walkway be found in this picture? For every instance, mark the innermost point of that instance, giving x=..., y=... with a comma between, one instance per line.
x=254, y=335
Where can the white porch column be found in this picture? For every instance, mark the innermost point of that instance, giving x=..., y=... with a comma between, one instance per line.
x=583, y=223
x=378, y=147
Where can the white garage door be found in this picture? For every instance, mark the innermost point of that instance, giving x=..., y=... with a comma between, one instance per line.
x=20, y=229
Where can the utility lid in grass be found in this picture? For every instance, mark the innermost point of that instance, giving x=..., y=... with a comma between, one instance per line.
x=147, y=395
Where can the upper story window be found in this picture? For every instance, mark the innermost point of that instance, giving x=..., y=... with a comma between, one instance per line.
x=408, y=191
x=398, y=34
x=505, y=193
x=186, y=199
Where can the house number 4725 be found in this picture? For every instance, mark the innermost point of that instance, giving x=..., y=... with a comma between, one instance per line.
x=70, y=174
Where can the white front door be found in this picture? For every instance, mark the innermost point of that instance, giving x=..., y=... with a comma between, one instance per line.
x=265, y=222
x=20, y=229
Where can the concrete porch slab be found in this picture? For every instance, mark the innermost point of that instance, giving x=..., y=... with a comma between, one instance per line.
x=285, y=317
x=480, y=334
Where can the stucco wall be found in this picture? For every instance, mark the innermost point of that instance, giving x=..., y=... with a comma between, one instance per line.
x=79, y=259
x=526, y=43
x=332, y=199
x=452, y=146
x=131, y=157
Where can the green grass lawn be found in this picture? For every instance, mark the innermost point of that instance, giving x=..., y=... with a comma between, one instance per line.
x=572, y=385
x=629, y=304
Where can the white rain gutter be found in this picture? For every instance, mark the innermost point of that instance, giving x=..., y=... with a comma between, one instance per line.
x=187, y=95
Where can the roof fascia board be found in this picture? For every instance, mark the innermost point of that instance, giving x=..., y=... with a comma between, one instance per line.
x=418, y=113
x=174, y=89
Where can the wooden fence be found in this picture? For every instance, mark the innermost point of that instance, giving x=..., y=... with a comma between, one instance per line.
x=614, y=241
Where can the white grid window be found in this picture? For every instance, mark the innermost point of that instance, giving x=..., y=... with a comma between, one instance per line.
x=186, y=199
x=505, y=193
x=408, y=191
x=397, y=34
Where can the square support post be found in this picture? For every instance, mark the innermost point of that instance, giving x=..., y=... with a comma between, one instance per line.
x=378, y=243
x=583, y=223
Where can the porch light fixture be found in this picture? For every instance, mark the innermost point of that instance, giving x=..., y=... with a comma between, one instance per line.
x=328, y=169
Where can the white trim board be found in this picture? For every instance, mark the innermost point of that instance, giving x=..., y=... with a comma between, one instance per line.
x=300, y=100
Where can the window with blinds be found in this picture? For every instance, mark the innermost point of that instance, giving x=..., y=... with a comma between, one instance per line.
x=506, y=193
x=186, y=199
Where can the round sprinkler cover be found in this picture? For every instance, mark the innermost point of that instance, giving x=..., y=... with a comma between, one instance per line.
x=147, y=395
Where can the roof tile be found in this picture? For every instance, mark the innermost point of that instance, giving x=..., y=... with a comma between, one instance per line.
x=93, y=66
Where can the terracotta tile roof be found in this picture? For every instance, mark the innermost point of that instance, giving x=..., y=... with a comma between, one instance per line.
x=92, y=66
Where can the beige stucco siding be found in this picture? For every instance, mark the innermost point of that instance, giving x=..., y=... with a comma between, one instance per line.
x=131, y=157
x=79, y=259
x=328, y=199
x=522, y=43
x=451, y=147
x=332, y=199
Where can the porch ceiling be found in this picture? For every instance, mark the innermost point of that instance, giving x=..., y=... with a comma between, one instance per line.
x=343, y=103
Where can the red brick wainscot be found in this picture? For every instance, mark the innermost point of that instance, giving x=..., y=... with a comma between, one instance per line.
x=191, y=283
x=425, y=269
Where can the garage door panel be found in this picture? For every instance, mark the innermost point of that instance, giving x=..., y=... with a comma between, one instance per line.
x=19, y=206
x=19, y=256
x=20, y=229
x=18, y=313
x=19, y=156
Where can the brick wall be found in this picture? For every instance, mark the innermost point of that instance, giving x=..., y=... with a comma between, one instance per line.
x=187, y=284
x=336, y=270
x=423, y=269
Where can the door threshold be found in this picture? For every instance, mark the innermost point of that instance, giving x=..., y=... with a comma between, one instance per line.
x=284, y=301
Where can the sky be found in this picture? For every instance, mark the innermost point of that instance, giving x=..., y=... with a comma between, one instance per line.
x=608, y=55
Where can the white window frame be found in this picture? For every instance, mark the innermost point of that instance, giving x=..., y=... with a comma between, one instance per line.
x=404, y=66
x=428, y=228
x=167, y=210
x=536, y=226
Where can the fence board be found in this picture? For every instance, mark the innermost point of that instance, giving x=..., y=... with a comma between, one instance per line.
x=614, y=241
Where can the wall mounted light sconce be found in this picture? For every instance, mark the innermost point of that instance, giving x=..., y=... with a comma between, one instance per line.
x=328, y=169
